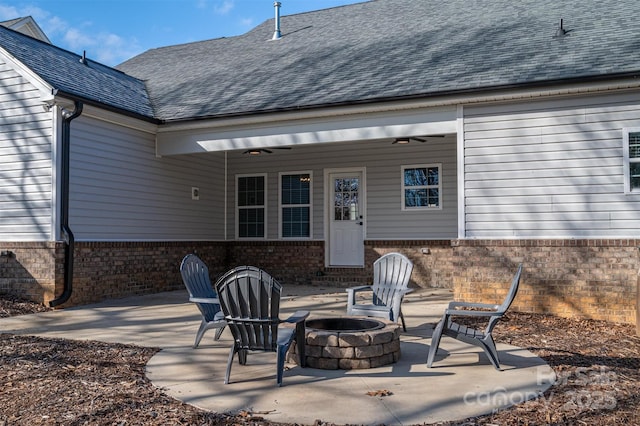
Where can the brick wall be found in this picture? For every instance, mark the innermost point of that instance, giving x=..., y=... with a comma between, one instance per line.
x=432, y=260
x=108, y=270
x=31, y=270
x=291, y=262
x=587, y=278
x=584, y=278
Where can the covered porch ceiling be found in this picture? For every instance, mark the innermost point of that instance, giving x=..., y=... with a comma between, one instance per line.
x=243, y=134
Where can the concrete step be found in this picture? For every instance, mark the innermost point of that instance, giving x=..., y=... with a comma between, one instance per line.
x=341, y=277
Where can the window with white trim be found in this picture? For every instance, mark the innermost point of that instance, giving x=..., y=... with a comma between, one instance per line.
x=295, y=205
x=631, y=160
x=251, y=206
x=421, y=187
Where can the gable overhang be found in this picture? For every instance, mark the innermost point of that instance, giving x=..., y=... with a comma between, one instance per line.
x=44, y=88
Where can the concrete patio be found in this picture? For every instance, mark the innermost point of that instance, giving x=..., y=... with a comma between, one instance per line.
x=462, y=383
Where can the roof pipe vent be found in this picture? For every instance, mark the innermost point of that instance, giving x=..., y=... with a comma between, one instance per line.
x=561, y=31
x=276, y=34
x=83, y=59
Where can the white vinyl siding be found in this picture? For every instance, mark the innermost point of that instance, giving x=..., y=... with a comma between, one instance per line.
x=120, y=190
x=550, y=169
x=382, y=160
x=25, y=160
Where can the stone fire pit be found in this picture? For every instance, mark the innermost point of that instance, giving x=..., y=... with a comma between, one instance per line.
x=350, y=342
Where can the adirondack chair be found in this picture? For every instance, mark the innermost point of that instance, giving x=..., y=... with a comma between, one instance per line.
x=250, y=300
x=482, y=338
x=195, y=276
x=391, y=274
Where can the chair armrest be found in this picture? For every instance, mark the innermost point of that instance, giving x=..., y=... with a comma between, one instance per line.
x=297, y=317
x=358, y=288
x=473, y=305
x=461, y=313
x=405, y=291
x=213, y=300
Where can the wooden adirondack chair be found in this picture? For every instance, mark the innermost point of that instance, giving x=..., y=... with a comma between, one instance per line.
x=195, y=276
x=391, y=274
x=482, y=338
x=250, y=300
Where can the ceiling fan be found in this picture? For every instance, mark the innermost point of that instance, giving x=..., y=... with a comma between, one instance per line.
x=408, y=139
x=258, y=151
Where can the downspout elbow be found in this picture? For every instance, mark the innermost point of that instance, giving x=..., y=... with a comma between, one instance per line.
x=67, y=117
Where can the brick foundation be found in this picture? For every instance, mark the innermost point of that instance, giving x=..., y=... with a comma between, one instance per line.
x=32, y=270
x=109, y=270
x=586, y=278
x=290, y=262
x=572, y=278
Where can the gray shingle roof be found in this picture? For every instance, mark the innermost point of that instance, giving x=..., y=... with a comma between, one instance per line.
x=390, y=48
x=92, y=82
x=365, y=52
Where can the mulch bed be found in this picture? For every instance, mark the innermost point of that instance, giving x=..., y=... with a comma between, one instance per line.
x=66, y=382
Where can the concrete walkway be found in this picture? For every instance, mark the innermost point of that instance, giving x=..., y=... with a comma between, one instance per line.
x=462, y=383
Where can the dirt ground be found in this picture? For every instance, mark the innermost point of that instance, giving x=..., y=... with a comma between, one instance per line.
x=66, y=382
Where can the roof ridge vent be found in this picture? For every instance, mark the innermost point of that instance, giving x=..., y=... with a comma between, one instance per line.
x=276, y=34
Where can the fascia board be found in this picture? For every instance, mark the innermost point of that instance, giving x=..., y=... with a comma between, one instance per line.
x=119, y=119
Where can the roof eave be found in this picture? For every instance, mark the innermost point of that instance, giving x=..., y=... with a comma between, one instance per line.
x=106, y=107
x=548, y=84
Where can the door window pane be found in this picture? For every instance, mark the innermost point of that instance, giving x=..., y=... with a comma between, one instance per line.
x=346, y=202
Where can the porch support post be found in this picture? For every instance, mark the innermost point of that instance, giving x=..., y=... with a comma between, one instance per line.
x=460, y=166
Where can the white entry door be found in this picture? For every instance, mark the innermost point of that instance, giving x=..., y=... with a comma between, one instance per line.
x=346, y=219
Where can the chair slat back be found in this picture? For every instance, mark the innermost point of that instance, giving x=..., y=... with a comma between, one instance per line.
x=250, y=300
x=391, y=273
x=195, y=276
x=513, y=291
